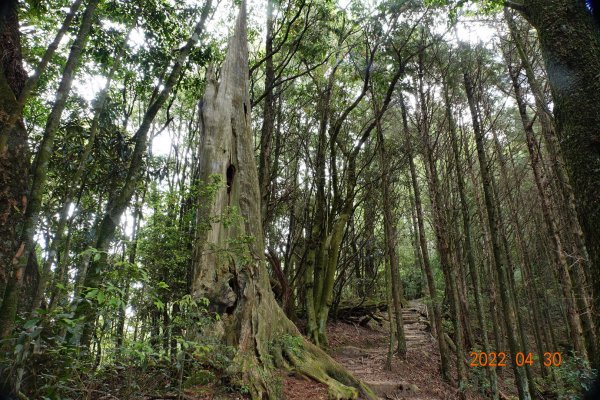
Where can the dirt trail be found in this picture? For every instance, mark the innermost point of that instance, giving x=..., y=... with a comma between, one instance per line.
x=364, y=351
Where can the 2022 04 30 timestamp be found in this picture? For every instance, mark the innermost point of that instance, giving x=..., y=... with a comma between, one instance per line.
x=502, y=359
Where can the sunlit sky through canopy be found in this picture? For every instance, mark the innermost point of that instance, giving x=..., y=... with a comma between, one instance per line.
x=468, y=29
x=472, y=30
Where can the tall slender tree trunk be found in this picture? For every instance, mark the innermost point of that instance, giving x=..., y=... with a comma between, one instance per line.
x=369, y=213
x=492, y=219
x=120, y=200
x=315, y=257
x=537, y=174
x=344, y=205
x=488, y=271
x=440, y=223
x=390, y=244
x=431, y=287
x=580, y=297
x=268, y=119
x=46, y=148
x=75, y=180
x=27, y=244
x=137, y=217
x=414, y=236
x=510, y=275
x=32, y=81
x=466, y=220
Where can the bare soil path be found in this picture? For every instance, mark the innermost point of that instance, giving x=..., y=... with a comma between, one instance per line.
x=363, y=350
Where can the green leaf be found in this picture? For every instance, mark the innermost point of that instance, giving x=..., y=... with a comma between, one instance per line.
x=31, y=323
x=163, y=285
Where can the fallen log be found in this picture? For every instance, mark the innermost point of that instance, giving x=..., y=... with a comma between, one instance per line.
x=360, y=313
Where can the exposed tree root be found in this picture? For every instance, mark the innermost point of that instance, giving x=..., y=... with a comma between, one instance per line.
x=316, y=364
x=307, y=360
x=271, y=342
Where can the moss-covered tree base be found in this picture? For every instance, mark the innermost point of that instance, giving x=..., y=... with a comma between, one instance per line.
x=280, y=346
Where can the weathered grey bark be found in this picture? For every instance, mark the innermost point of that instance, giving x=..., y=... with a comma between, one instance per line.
x=229, y=262
x=570, y=43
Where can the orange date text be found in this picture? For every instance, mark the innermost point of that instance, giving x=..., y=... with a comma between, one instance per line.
x=501, y=359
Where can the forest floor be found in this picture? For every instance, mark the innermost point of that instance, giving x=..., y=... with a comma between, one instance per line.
x=363, y=351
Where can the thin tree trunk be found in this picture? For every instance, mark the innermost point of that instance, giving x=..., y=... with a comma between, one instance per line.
x=437, y=312
x=440, y=224
x=117, y=205
x=268, y=120
x=466, y=220
x=510, y=272
x=46, y=148
x=509, y=316
x=414, y=236
x=332, y=244
x=27, y=243
x=75, y=180
x=314, y=261
x=390, y=242
x=137, y=217
x=32, y=81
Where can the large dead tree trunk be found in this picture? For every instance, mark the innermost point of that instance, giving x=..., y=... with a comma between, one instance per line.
x=229, y=263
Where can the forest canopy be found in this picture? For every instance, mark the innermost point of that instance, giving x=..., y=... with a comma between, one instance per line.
x=292, y=199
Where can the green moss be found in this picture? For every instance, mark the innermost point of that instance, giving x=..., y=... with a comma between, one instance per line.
x=200, y=377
